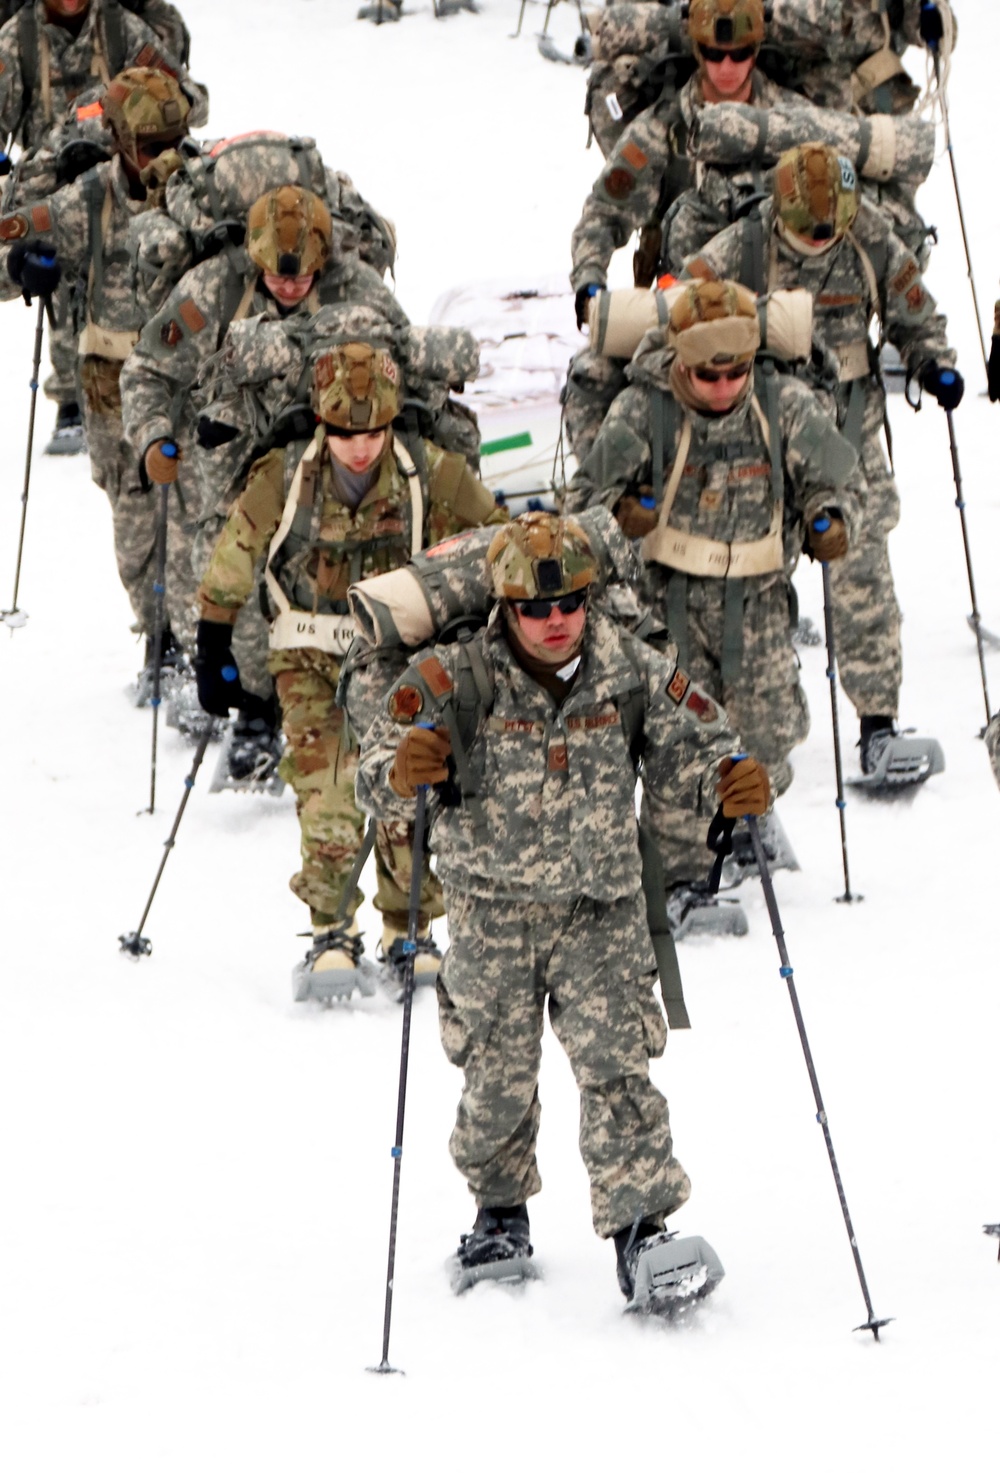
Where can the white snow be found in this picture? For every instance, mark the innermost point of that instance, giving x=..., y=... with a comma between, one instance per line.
x=195, y=1172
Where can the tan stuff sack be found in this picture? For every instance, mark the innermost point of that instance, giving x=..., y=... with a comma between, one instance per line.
x=619, y=320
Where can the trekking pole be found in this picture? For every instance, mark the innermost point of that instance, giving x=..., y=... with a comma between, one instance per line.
x=134, y=942
x=975, y=619
x=14, y=617
x=159, y=596
x=787, y=972
x=409, y=952
x=821, y=524
x=958, y=201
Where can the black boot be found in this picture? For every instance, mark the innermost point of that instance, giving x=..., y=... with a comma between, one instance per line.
x=68, y=437
x=255, y=750
x=875, y=732
x=628, y=1245
x=499, y=1233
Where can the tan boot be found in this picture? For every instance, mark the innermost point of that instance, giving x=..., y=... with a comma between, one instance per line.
x=334, y=965
x=426, y=961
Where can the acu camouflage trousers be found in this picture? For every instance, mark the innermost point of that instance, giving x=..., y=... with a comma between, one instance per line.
x=320, y=766
x=594, y=964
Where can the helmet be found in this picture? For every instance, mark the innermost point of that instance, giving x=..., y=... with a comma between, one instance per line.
x=728, y=24
x=540, y=555
x=714, y=322
x=815, y=193
x=356, y=388
x=143, y=105
x=289, y=232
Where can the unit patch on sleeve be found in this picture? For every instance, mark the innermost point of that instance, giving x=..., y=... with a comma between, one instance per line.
x=677, y=689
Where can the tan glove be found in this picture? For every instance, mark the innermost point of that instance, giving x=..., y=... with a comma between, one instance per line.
x=829, y=545
x=161, y=469
x=635, y=519
x=744, y=787
x=421, y=759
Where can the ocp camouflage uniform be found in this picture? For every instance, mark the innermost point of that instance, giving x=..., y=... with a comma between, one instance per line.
x=160, y=400
x=734, y=634
x=89, y=223
x=336, y=548
x=544, y=900
x=47, y=73
x=847, y=294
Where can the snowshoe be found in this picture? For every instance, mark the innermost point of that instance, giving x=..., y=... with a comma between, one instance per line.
x=892, y=761
x=380, y=11
x=248, y=761
x=392, y=955
x=778, y=850
x=171, y=660
x=184, y=710
x=805, y=634
x=992, y=1230
x=498, y=1248
x=660, y=1273
x=68, y=437
x=692, y=910
x=581, y=55
x=893, y=370
x=334, y=967
x=990, y=639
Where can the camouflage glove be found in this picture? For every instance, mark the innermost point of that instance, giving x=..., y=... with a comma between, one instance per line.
x=215, y=669
x=161, y=465
x=583, y=297
x=421, y=760
x=946, y=385
x=827, y=538
x=993, y=371
x=637, y=516
x=744, y=787
x=34, y=268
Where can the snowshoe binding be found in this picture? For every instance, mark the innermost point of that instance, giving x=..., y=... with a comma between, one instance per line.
x=334, y=967
x=68, y=437
x=184, y=710
x=742, y=862
x=660, y=1273
x=171, y=661
x=498, y=1248
x=248, y=760
x=693, y=910
x=392, y=955
x=805, y=634
x=891, y=761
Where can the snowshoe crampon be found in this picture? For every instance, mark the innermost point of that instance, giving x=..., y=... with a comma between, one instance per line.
x=69, y=436
x=669, y=1274
x=896, y=762
x=777, y=848
x=248, y=759
x=692, y=910
x=498, y=1248
x=392, y=957
x=334, y=968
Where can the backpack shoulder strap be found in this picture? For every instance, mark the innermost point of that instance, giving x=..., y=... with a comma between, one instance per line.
x=114, y=38
x=28, y=44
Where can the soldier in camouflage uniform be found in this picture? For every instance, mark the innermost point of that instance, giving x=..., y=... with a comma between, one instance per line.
x=722, y=475
x=56, y=59
x=352, y=505
x=542, y=874
x=816, y=233
x=87, y=229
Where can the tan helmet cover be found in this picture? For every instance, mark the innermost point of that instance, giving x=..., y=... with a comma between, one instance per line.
x=356, y=388
x=289, y=232
x=540, y=555
x=727, y=24
x=714, y=322
x=143, y=105
x=815, y=186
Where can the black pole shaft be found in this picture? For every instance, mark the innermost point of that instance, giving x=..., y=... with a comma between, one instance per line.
x=961, y=213
x=416, y=879
x=36, y=363
x=189, y=783
x=788, y=973
x=976, y=618
x=159, y=596
x=831, y=675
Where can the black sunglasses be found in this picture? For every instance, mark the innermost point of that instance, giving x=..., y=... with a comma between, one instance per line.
x=720, y=53
x=713, y=375
x=541, y=608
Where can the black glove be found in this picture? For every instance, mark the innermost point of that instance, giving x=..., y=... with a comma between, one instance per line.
x=214, y=432
x=946, y=385
x=993, y=371
x=77, y=157
x=34, y=268
x=931, y=25
x=215, y=669
x=583, y=297
x=4, y=164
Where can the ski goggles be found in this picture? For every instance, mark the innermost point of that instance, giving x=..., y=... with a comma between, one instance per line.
x=726, y=53
x=541, y=608
x=715, y=375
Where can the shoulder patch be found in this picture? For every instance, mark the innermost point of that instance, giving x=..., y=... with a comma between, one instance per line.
x=89, y=110
x=405, y=703
x=906, y=277
x=190, y=316
x=677, y=689
x=619, y=183
x=633, y=154
x=171, y=333
x=41, y=219
x=442, y=549
x=435, y=676
x=916, y=298
x=702, y=707
x=13, y=227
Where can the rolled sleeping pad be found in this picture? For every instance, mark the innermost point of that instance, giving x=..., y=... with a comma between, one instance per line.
x=619, y=320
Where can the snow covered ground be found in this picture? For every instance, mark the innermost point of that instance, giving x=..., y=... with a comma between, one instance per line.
x=196, y=1172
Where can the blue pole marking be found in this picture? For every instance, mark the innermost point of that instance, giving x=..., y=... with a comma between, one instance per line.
x=230, y=673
